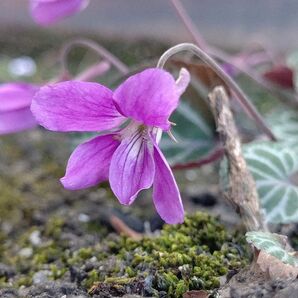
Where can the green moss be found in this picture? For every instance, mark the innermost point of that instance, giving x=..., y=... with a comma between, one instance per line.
x=54, y=227
x=91, y=279
x=189, y=256
x=85, y=253
x=57, y=272
x=24, y=280
x=10, y=201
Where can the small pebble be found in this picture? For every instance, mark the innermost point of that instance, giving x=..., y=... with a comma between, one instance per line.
x=35, y=238
x=84, y=217
x=26, y=252
x=41, y=277
x=93, y=259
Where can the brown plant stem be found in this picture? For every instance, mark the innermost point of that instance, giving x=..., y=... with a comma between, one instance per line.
x=93, y=71
x=241, y=189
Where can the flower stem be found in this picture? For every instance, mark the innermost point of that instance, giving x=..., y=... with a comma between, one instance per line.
x=188, y=23
x=224, y=57
x=212, y=157
x=195, y=33
x=240, y=95
x=100, y=50
x=93, y=71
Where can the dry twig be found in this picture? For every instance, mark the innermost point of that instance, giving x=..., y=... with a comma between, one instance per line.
x=241, y=189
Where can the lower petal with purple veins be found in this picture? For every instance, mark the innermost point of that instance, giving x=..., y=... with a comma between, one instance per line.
x=132, y=168
x=89, y=163
x=166, y=195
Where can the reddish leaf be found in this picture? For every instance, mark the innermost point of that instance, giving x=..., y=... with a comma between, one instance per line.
x=281, y=75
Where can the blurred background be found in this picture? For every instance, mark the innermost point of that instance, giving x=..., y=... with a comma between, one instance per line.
x=229, y=23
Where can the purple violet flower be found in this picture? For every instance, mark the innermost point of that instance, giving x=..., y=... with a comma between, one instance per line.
x=48, y=12
x=128, y=156
x=15, y=101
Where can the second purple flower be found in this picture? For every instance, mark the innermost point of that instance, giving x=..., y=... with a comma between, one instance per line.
x=135, y=115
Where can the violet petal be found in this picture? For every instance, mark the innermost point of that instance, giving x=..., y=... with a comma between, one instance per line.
x=132, y=168
x=166, y=195
x=89, y=164
x=47, y=12
x=148, y=97
x=16, y=120
x=15, y=96
x=75, y=106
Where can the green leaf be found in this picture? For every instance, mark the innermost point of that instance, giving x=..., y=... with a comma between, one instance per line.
x=273, y=244
x=195, y=137
x=275, y=169
x=284, y=124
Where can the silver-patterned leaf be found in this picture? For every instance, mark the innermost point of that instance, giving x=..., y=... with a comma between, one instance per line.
x=284, y=124
x=275, y=169
x=273, y=244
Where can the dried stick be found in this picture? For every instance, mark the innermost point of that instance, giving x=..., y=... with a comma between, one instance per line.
x=241, y=189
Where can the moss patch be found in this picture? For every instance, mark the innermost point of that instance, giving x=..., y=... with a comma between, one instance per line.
x=184, y=257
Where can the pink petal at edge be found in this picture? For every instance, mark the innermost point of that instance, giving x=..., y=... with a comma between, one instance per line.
x=14, y=96
x=48, y=12
x=182, y=81
x=16, y=120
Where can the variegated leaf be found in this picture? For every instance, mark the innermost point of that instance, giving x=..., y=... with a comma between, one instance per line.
x=273, y=244
x=275, y=169
x=284, y=124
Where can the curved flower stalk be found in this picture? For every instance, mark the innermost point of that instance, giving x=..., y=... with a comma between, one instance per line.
x=240, y=95
x=15, y=101
x=95, y=47
x=131, y=119
x=48, y=12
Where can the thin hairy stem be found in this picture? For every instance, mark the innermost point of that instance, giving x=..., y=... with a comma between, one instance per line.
x=240, y=95
x=94, y=71
x=188, y=23
x=100, y=50
x=197, y=37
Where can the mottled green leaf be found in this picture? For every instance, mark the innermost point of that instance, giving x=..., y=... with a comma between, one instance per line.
x=273, y=244
x=284, y=124
x=275, y=169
